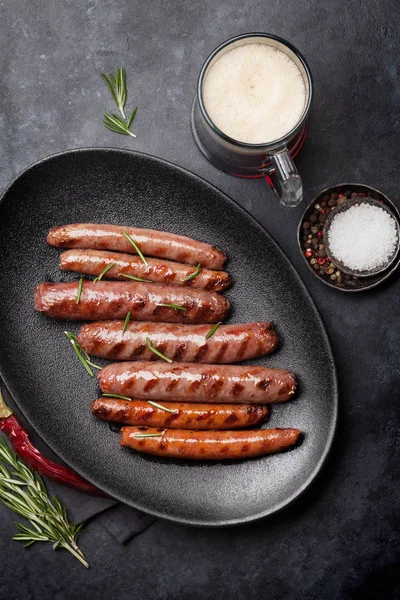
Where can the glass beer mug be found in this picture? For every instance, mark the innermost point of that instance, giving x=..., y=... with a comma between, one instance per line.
x=274, y=159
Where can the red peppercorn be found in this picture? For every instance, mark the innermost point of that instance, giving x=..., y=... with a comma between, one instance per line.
x=321, y=261
x=319, y=234
x=308, y=252
x=323, y=211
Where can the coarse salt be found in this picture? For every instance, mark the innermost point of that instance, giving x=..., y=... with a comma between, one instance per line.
x=363, y=237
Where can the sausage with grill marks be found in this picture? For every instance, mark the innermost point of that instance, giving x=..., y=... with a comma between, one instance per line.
x=92, y=262
x=161, y=244
x=209, y=445
x=113, y=300
x=197, y=383
x=182, y=343
x=186, y=415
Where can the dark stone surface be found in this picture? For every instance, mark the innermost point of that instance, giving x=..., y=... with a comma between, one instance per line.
x=340, y=540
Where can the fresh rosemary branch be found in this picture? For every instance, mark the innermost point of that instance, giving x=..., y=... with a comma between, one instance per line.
x=24, y=492
x=82, y=355
x=117, y=87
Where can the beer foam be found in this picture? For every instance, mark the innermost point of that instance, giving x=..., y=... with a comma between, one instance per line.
x=254, y=93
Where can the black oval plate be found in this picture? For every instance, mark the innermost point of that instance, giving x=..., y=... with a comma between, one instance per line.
x=54, y=392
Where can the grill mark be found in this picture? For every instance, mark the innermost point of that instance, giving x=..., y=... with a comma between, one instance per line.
x=201, y=353
x=232, y=418
x=150, y=385
x=171, y=417
x=243, y=347
x=263, y=384
x=161, y=347
x=215, y=388
x=223, y=348
x=139, y=350
x=237, y=389
x=180, y=351
x=245, y=448
x=138, y=305
x=224, y=449
x=172, y=385
x=194, y=386
x=117, y=349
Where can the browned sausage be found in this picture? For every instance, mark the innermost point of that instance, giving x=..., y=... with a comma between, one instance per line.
x=113, y=300
x=151, y=242
x=184, y=382
x=208, y=445
x=92, y=262
x=186, y=416
x=182, y=343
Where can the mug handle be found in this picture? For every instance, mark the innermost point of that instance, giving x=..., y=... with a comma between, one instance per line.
x=287, y=186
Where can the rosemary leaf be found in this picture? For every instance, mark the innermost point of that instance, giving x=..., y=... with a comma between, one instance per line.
x=79, y=293
x=194, y=274
x=148, y=435
x=212, y=330
x=157, y=352
x=176, y=306
x=118, y=396
x=134, y=278
x=134, y=244
x=104, y=271
x=161, y=407
x=126, y=322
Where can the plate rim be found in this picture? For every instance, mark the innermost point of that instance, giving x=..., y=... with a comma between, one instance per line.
x=326, y=340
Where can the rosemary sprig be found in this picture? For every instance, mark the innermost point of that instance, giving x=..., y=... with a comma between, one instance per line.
x=176, y=306
x=162, y=407
x=82, y=355
x=24, y=492
x=194, y=274
x=126, y=322
x=114, y=123
x=117, y=396
x=104, y=271
x=134, y=244
x=138, y=435
x=117, y=87
x=79, y=293
x=157, y=352
x=134, y=278
x=212, y=330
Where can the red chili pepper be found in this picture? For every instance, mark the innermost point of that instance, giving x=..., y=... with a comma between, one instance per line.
x=27, y=452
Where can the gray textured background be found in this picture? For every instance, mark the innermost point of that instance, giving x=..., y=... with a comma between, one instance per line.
x=340, y=540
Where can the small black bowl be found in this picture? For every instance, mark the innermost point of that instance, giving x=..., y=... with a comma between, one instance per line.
x=327, y=271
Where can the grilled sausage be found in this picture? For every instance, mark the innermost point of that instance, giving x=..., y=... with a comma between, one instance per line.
x=186, y=416
x=151, y=242
x=113, y=300
x=183, y=343
x=92, y=262
x=209, y=445
x=184, y=382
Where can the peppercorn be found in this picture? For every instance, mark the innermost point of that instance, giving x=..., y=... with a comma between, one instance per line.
x=313, y=218
x=333, y=277
x=314, y=229
x=306, y=225
x=335, y=196
x=317, y=207
x=341, y=199
x=305, y=238
x=322, y=254
x=316, y=266
x=354, y=195
x=323, y=203
x=322, y=218
x=319, y=234
x=326, y=198
x=347, y=193
x=309, y=236
x=332, y=202
x=308, y=243
x=313, y=261
x=330, y=271
x=309, y=252
x=321, y=260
